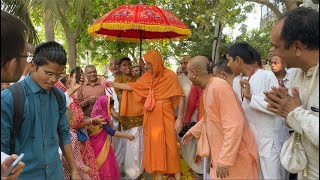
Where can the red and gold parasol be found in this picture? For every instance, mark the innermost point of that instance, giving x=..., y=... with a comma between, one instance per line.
x=133, y=23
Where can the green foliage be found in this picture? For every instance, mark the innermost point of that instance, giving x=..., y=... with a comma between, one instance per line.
x=258, y=38
x=20, y=9
x=199, y=15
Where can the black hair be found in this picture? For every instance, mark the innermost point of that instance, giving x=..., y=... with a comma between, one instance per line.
x=13, y=37
x=301, y=24
x=74, y=70
x=49, y=52
x=222, y=66
x=64, y=80
x=243, y=50
x=257, y=56
x=124, y=59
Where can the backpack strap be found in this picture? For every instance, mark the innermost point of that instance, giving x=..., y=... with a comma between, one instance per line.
x=60, y=103
x=58, y=96
x=18, y=102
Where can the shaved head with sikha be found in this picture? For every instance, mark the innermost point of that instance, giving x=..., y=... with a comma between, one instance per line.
x=198, y=70
x=199, y=64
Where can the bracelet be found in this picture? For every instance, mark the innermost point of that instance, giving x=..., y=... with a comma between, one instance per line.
x=90, y=120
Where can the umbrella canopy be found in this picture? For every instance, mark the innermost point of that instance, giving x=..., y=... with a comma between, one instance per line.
x=134, y=23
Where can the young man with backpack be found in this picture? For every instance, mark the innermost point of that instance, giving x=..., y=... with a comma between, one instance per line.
x=39, y=126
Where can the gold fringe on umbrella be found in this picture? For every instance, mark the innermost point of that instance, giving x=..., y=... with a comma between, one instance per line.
x=136, y=40
x=146, y=27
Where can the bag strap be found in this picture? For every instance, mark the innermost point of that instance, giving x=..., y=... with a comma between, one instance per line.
x=310, y=86
x=58, y=96
x=18, y=109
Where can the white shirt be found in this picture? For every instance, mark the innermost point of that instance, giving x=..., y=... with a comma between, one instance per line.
x=69, y=99
x=305, y=120
x=185, y=84
x=288, y=77
x=4, y=156
x=112, y=93
x=266, y=126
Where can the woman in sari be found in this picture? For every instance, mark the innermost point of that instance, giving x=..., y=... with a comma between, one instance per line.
x=85, y=147
x=161, y=91
x=98, y=134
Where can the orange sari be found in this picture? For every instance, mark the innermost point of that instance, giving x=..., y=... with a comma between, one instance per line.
x=161, y=153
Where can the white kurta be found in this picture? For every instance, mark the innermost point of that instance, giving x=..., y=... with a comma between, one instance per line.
x=305, y=121
x=128, y=153
x=188, y=151
x=268, y=128
x=133, y=167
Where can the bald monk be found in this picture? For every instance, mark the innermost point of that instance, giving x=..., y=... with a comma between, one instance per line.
x=161, y=91
x=233, y=150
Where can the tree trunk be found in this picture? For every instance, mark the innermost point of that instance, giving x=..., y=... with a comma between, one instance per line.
x=216, y=43
x=48, y=27
x=72, y=51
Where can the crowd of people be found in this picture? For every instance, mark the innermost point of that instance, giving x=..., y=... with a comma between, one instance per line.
x=137, y=122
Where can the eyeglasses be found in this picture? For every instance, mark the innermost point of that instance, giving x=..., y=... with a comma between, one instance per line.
x=29, y=57
x=52, y=75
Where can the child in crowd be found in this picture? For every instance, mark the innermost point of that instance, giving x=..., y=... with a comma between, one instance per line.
x=98, y=133
x=82, y=168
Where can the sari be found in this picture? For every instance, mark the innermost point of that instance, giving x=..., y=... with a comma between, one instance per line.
x=105, y=156
x=85, y=147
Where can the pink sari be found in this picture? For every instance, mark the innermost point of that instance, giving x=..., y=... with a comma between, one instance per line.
x=105, y=157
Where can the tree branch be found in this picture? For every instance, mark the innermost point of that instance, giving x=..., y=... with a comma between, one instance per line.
x=273, y=8
x=292, y=4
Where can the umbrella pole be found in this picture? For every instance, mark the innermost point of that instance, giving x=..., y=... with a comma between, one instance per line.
x=140, y=51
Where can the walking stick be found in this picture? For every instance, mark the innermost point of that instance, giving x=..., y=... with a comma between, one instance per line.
x=205, y=168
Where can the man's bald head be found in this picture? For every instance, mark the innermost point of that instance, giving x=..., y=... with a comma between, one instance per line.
x=199, y=64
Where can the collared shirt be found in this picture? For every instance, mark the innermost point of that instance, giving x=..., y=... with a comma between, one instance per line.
x=305, y=119
x=42, y=126
x=287, y=77
x=85, y=92
x=268, y=128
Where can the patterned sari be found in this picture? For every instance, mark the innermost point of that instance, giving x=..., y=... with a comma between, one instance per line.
x=105, y=157
x=85, y=147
